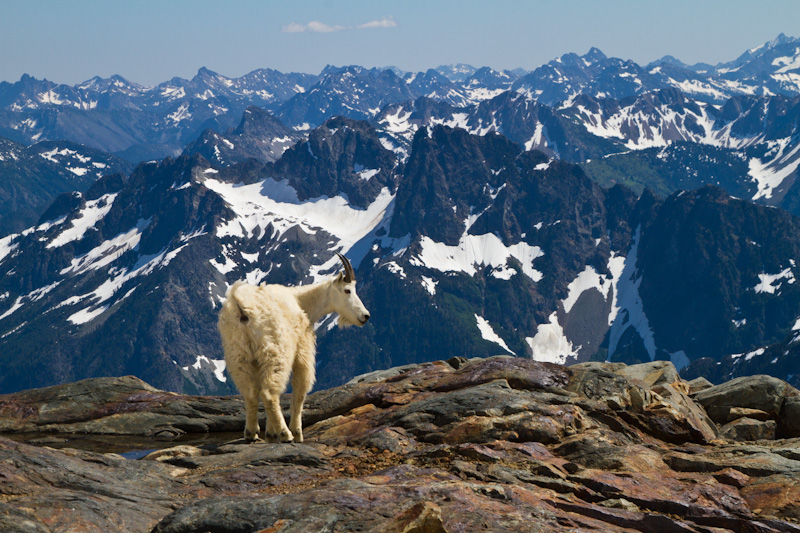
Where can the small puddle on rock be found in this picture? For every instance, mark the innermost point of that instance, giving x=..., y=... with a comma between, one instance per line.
x=138, y=454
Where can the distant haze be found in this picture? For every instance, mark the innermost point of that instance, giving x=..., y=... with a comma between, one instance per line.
x=149, y=41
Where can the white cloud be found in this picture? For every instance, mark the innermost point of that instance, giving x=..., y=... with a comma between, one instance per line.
x=382, y=23
x=293, y=28
x=321, y=27
x=316, y=26
x=313, y=26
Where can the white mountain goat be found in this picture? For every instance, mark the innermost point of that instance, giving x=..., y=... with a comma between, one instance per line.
x=268, y=333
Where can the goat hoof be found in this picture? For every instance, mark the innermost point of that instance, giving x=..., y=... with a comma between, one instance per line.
x=285, y=436
x=251, y=437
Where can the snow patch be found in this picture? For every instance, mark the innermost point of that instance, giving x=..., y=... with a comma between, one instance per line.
x=78, y=171
x=182, y=113
x=536, y=140
x=367, y=174
x=550, y=344
x=218, y=366
x=12, y=309
x=397, y=122
x=488, y=333
x=146, y=265
x=86, y=315
x=788, y=63
x=627, y=308
x=771, y=174
x=749, y=355
x=45, y=226
x=679, y=359
x=107, y=252
x=275, y=203
x=474, y=250
x=224, y=268
x=429, y=284
x=7, y=245
x=94, y=211
x=769, y=283
x=586, y=280
x=394, y=268
x=32, y=296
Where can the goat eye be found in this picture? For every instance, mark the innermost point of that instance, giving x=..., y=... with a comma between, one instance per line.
x=347, y=291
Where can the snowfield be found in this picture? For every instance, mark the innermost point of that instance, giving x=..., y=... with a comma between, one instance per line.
x=478, y=250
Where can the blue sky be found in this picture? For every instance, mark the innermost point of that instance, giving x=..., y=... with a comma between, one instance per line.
x=150, y=41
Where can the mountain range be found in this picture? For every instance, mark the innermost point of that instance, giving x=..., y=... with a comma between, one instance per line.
x=141, y=123
x=590, y=209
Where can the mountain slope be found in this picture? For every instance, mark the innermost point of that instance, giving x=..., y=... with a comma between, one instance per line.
x=471, y=245
x=353, y=91
x=677, y=166
x=31, y=177
x=518, y=117
x=148, y=259
x=728, y=261
x=750, y=147
x=259, y=136
x=772, y=68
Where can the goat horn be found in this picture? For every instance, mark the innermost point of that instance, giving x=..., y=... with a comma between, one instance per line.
x=349, y=274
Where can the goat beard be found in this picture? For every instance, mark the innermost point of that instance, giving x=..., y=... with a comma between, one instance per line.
x=345, y=322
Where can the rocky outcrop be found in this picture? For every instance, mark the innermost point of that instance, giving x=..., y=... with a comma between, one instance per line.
x=258, y=136
x=753, y=406
x=117, y=406
x=497, y=444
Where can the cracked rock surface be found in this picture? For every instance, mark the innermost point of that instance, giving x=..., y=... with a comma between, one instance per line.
x=498, y=444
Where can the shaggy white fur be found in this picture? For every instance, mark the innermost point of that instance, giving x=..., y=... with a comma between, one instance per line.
x=268, y=333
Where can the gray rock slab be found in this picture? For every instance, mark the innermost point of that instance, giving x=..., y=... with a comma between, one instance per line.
x=762, y=392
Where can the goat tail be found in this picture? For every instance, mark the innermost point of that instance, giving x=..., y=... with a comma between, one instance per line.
x=231, y=296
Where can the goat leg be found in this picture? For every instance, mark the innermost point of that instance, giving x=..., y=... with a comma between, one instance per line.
x=276, y=425
x=251, y=413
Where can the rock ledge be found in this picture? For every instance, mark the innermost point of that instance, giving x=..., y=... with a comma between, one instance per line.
x=497, y=444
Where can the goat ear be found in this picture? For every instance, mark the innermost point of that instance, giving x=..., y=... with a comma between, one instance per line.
x=339, y=277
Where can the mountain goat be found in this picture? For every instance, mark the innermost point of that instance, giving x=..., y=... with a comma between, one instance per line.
x=268, y=333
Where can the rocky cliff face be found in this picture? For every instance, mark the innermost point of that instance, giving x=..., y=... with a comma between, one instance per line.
x=31, y=177
x=501, y=444
x=341, y=157
x=472, y=246
x=258, y=136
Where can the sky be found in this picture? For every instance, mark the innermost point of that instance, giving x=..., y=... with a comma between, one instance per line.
x=152, y=41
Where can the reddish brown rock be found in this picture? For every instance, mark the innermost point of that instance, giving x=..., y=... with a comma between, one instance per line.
x=120, y=406
x=749, y=429
x=732, y=477
x=777, y=495
x=744, y=412
x=424, y=517
x=501, y=444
